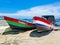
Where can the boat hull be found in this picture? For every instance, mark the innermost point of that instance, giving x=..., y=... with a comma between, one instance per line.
x=42, y=24
x=18, y=24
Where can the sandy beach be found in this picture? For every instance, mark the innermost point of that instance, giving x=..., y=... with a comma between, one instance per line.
x=31, y=38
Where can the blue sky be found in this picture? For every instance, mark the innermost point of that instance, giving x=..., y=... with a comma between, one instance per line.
x=11, y=6
x=30, y=8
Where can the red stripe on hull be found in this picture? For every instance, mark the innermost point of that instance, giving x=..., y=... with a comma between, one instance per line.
x=41, y=19
x=10, y=19
x=17, y=21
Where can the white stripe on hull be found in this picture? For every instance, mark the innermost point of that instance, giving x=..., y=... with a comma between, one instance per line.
x=40, y=22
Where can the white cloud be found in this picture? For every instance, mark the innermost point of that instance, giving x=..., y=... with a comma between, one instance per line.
x=51, y=9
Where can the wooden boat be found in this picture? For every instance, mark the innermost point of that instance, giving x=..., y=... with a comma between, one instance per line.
x=42, y=24
x=19, y=24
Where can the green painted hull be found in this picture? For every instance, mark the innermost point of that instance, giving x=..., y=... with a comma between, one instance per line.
x=19, y=25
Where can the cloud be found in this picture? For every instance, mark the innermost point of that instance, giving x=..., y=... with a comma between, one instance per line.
x=51, y=9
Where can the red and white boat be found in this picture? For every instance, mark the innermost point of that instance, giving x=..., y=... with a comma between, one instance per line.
x=42, y=23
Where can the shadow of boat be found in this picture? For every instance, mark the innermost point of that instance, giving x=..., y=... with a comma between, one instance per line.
x=40, y=34
x=14, y=31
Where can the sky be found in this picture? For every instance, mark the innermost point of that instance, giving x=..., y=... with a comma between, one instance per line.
x=29, y=8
